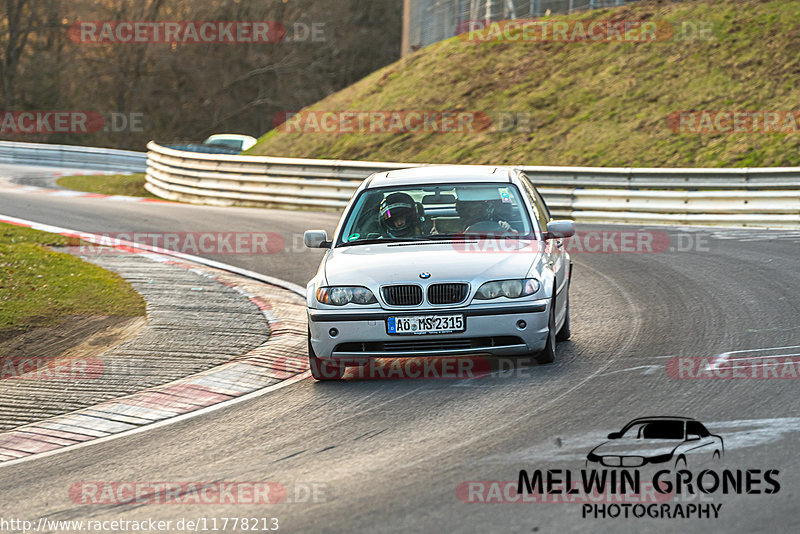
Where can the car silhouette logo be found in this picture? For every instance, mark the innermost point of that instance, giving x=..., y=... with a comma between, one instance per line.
x=675, y=441
x=424, y=276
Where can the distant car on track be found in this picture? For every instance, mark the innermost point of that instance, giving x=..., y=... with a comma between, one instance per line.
x=439, y=261
x=658, y=440
x=235, y=141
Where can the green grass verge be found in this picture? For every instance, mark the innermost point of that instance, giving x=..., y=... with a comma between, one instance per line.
x=38, y=286
x=131, y=185
x=596, y=104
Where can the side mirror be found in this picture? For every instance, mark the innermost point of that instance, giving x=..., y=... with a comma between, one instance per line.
x=614, y=435
x=316, y=239
x=692, y=437
x=560, y=228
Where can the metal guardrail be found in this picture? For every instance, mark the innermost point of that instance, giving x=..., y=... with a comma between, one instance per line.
x=732, y=197
x=202, y=147
x=79, y=157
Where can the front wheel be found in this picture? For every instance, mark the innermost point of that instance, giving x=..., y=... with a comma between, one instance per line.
x=323, y=369
x=548, y=355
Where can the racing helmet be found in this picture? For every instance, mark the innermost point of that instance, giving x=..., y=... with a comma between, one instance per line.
x=399, y=215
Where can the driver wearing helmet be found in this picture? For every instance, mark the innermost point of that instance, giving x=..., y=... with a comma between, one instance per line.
x=477, y=213
x=473, y=211
x=399, y=216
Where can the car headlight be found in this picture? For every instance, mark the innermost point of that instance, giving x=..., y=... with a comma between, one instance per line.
x=512, y=289
x=660, y=459
x=341, y=295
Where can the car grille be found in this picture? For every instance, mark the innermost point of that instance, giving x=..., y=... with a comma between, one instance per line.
x=402, y=346
x=622, y=461
x=405, y=295
x=447, y=293
x=419, y=345
x=632, y=461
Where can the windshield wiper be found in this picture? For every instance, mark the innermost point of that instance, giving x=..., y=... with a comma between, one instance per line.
x=381, y=241
x=466, y=236
x=450, y=237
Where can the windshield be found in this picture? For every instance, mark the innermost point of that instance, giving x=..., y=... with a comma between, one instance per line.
x=655, y=430
x=436, y=211
x=231, y=143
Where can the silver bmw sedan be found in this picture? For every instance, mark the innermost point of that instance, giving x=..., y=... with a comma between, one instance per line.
x=439, y=261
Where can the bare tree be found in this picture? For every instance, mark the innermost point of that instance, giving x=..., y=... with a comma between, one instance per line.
x=186, y=91
x=20, y=18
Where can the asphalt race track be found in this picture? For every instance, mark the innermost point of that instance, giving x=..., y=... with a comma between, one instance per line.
x=389, y=455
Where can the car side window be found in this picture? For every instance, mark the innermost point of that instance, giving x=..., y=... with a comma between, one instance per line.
x=542, y=205
x=542, y=215
x=693, y=427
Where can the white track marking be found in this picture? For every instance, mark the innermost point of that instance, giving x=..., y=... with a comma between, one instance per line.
x=716, y=362
x=649, y=370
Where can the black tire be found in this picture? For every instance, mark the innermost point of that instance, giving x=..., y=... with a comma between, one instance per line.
x=564, y=333
x=323, y=370
x=548, y=355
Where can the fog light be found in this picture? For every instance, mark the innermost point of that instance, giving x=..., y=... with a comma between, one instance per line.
x=333, y=332
x=521, y=324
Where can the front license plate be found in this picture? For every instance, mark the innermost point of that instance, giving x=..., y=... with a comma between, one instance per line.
x=425, y=324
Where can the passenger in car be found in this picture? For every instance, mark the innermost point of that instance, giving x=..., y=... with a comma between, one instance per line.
x=481, y=215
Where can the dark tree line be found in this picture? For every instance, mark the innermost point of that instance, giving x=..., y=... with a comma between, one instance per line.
x=186, y=91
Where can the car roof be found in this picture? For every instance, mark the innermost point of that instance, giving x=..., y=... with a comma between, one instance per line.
x=439, y=174
x=661, y=418
x=238, y=137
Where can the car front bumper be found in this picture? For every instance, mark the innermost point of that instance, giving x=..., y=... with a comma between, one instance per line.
x=362, y=335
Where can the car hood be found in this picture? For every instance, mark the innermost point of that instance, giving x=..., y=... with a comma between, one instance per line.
x=637, y=447
x=374, y=265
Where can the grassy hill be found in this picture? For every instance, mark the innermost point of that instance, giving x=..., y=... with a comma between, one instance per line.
x=588, y=103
